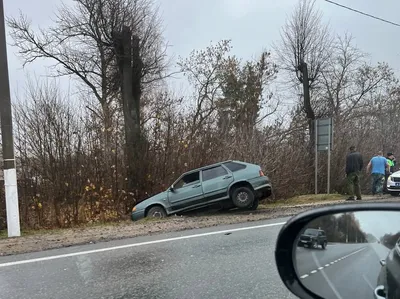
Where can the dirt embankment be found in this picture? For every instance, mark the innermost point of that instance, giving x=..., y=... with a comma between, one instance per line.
x=42, y=240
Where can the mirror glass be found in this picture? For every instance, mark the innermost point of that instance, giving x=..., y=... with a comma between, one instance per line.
x=351, y=255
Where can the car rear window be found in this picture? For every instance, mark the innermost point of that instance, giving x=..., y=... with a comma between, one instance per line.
x=233, y=166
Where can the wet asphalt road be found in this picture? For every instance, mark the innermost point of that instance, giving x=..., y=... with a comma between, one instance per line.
x=342, y=270
x=236, y=265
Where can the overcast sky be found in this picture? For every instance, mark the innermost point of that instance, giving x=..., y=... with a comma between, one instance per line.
x=253, y=25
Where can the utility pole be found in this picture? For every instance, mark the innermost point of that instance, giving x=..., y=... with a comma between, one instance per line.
x=10, y=173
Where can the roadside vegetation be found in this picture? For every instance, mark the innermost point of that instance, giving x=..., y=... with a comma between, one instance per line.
x=125, y=133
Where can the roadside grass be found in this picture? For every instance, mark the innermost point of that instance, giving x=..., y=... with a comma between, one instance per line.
x=301, y=200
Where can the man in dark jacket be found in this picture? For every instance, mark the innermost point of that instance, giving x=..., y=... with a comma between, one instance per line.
x=354, y=165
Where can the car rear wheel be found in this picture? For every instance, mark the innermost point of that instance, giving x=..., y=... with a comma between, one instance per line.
x=156, y=212
x=254, y=206
x=324, y=245
x=243, y=197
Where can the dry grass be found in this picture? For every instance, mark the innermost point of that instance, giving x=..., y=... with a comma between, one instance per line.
x=304, y=199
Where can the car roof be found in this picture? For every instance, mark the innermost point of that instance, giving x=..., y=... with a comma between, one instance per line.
x=215, y=164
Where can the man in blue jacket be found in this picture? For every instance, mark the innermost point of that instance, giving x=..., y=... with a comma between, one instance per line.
x=378, y=166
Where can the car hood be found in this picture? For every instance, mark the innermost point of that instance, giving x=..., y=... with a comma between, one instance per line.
x=158, y=198
x=396, y=174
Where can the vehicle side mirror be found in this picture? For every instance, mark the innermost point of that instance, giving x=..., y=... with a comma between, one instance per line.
x=171, y=188
x=356, y=235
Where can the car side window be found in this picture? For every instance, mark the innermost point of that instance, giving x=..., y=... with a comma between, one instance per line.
x=233, y=166
x=188, y=179
x=212, y=173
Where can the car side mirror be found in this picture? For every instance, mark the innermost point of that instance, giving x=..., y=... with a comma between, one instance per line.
x=357, y=236
x=171, y=188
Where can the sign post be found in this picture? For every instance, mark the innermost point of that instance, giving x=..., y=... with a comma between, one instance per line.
x=323, y=142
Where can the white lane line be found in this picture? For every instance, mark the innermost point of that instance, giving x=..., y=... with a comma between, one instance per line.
x=368, y=282
x=47, y=258
x=331, y=263
x=326, y=278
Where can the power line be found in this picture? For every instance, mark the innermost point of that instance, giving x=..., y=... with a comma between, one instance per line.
x=363, y=13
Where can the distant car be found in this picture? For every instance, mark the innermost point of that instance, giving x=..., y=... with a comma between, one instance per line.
x=313, y=238
x=230, y=184
x=393, y=184
x=389, y=277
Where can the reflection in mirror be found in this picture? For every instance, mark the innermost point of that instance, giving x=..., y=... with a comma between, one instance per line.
x=351, y=255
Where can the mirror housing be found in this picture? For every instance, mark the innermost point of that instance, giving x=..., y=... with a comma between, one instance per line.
x=285, y=251
x=171, y=188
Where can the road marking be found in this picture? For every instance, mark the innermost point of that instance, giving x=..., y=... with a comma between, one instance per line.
x=326, y=277
x=47, y=258
x=368, y=282
x=320, y=268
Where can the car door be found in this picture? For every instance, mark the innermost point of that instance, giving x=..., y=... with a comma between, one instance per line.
x=216, y=181
x=187, y=192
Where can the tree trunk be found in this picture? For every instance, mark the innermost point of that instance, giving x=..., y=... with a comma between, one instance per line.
x=131, y=93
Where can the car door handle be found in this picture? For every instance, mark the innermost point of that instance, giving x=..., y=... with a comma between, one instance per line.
x=196, y=186
x=227, y=177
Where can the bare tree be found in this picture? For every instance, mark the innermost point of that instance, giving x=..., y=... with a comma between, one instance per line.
x=304, y=51
x=86, y=43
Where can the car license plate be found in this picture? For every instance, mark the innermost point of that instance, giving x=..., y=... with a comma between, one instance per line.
x=397, y=184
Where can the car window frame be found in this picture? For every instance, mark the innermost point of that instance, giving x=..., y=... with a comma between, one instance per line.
x=214, y=166
x=190, y=184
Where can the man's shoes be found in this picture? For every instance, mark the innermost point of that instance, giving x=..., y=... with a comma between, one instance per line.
x=359, y=198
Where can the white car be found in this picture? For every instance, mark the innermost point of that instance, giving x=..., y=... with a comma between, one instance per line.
x=393, y=183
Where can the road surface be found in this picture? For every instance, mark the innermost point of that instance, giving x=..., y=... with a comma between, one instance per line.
x=235, y=261
x=342, y=270
x=212, y=264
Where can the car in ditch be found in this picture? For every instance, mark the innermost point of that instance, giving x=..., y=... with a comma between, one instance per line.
x=313, y=238
x=229, y=184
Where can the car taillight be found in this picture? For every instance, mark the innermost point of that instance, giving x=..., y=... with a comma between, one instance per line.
x=261, y=173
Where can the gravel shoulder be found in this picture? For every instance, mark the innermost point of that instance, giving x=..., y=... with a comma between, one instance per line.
x=43, y=240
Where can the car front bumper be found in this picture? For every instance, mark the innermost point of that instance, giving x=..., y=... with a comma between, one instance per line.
x=137, y=215
x=393, y=186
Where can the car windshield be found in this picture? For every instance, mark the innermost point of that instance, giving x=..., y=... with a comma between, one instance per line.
x=311, y=232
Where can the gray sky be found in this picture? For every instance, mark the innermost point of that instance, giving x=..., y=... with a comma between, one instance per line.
x=253, y=25
x=379, y=223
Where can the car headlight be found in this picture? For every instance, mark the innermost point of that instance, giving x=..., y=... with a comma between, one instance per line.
x=390, y=178
x=134, y=209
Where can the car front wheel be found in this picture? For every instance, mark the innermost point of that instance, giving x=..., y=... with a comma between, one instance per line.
x=243, y=197
x=324, y=245
x=156, y=212
x=394, y=193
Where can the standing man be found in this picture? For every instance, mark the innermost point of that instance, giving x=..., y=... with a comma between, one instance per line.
x=379, y=167
x=354, y=165
x=392, y=163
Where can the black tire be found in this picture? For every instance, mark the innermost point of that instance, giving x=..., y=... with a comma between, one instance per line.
x=254, y=206
x=242, y=197
x=156, y=212
x=324, y=244
x=393, y=193
x=314, y=245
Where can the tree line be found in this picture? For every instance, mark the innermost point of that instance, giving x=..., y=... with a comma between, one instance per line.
x=341, y=228
x=90, y=156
